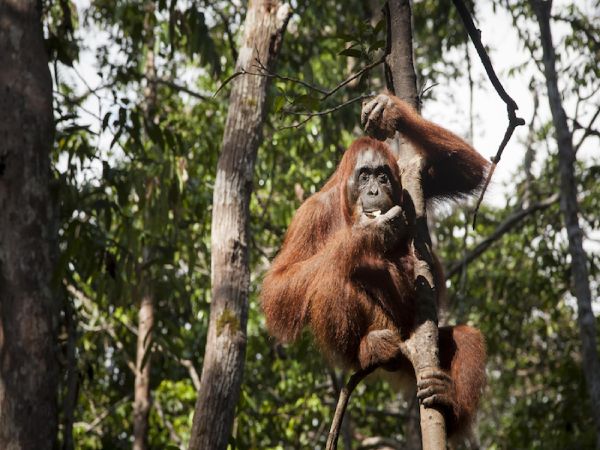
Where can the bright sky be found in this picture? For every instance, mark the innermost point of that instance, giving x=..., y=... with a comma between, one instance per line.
x=451, y=107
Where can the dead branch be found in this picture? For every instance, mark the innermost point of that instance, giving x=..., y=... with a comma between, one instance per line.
x=511, y=105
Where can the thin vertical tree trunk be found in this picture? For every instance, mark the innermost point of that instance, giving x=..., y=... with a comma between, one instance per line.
x=142, y=400
x=400, y=75
x=28, y=311
x=72, y=379
x=422, y=346
x=226, y=342
x=570, y=211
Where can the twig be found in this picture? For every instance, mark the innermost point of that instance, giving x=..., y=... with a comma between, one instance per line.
x=511, y=105
x=326, y=93
x=88, y=427
x=588, y=131
x=342, y=403
x=310, y=115
x=168, y=424
x=192, y=371
x=509, y=223
x=228, y=79
x=178, y=87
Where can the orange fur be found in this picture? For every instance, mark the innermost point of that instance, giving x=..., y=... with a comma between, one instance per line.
x=357, y=298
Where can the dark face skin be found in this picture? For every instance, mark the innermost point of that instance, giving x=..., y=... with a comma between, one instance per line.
x=372, y=187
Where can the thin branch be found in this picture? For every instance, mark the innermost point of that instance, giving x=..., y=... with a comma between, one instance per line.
x=178, y=87
x=325, y=112
x=508, y=224
x=192, y=371
x=168, y=424
x=228, y=79
x=326, y=93
x=342, y=403
x=511, y=105
x=588, y=131
x=87, y=427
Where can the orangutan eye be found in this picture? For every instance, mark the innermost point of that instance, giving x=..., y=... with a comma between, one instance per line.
x=363, y=177
x=382, y=177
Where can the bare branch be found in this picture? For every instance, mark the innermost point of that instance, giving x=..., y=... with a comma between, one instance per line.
x=326, y=93
x=588, y=131
x=88, y=427
x=508, y=224
x=511, y=105
x=178, y=87
x=310, y=115
x=192, y=371
x=342, y=403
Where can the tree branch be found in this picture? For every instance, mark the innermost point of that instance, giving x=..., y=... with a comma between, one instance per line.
x=511, y=105
x=588, y=130
x=310, y=115
x=508, y=224
x=325, y=93
x=178, y=87
x=342, y=403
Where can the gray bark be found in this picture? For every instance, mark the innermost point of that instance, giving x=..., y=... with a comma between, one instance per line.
x=28, y=311
x=570, y=211
x=226, y=342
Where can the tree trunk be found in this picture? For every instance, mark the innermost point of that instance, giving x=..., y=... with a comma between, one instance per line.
x=422, y=346
x=570, y=211
x=400, y=75
x=142, y=400
x=28, y=312
x=71, y=389
x=226, y=342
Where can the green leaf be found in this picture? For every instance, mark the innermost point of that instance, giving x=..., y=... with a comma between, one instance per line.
x=351, y=52
x=307, y=101
x=278, y=103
